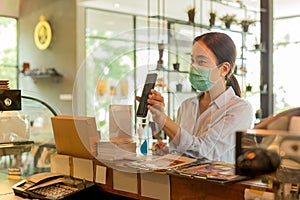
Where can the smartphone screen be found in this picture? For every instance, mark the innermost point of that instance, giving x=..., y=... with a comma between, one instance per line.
x=149, y=84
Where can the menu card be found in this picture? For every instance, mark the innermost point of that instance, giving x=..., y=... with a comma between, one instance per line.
x=220, y=171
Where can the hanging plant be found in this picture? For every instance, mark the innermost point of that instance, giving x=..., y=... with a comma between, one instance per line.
x=191, y=11
x=245, y=24
x=228, y=20
x=212, y=18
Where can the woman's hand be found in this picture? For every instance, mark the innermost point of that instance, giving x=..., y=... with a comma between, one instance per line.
x=156, y=106
x=138, y=98
x=155, y=98
x=160, y=148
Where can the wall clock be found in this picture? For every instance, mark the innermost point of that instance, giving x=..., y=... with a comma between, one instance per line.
x=42, y=34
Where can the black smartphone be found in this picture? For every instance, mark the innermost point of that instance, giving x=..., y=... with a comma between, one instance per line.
x=149, y=84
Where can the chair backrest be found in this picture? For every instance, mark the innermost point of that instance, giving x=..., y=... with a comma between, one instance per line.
x=281, y=121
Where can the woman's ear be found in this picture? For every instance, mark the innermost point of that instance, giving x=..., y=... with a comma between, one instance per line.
x=225, y=68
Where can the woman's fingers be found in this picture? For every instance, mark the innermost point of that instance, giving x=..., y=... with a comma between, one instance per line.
x=153, y=91
x=155, y=98
x=138, y=98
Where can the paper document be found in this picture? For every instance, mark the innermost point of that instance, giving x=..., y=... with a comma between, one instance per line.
x=162, y=163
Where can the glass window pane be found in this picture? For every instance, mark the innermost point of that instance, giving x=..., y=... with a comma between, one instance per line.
x=8, y=50
x=109, y=64
x=286, y=48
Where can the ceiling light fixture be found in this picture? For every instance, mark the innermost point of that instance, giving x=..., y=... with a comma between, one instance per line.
x=117, y=5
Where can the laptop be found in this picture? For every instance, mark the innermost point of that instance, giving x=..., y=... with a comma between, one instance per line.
x=75, y=135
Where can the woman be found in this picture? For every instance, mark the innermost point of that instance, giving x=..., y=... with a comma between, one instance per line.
x=206, y=124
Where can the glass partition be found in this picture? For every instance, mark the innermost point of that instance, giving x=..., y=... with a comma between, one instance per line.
x=109, y=63
x=122, y=48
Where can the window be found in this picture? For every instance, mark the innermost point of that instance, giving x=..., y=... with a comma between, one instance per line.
x=8, y=51
x=109, y=64
x=286, y=48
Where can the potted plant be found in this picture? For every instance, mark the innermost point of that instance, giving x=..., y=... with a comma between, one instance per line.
x=160, y=61
x=248, y=87
x=176, y=65
x=179, y=86
x=228, y=20
x=257, y=44
x=191, y=11
x=212, y=18
x=246, y=23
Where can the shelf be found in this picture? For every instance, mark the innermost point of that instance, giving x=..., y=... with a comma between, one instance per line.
x=177, y=21
x=183, y=22
x=167, y=70
x=181, y=92
x=48, y=73
x=258, y=50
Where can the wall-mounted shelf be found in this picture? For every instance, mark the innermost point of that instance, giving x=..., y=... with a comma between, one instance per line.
x=183, y=22
x=167, y=70
x=42, y=74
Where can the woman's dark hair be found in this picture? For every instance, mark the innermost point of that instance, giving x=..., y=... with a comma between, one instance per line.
x=225, y=51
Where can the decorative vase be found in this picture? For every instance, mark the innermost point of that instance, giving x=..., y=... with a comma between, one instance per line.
x=228, y=24
x=176, y=66
x=160, y=61
x=257, y=46
x=258, y=114
x=212, y=20
x=245, y=28
x=191, y=16
x=249, y=88
x=179, y=87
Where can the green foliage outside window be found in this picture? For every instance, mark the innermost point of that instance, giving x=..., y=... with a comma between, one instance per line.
x=8, y=51
x=105, y=61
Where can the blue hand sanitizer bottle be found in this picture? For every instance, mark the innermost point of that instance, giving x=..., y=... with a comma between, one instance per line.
x=142, y=136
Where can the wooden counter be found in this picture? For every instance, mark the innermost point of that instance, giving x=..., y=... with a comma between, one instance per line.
x=181, y=187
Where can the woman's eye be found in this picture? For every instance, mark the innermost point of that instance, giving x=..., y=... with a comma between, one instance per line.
x=201, y=62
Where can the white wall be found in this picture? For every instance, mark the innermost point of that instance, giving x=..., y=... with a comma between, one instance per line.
x=10, y=8
x=61, y=54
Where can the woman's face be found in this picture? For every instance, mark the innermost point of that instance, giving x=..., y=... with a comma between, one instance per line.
x=202, y=56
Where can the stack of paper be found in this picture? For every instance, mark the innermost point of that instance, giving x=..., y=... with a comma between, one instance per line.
x=159, y=163
x=4, y=85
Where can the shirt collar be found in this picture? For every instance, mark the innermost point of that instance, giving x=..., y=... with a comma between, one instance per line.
x=220, y=100
x=195, y=100
x=224, y=98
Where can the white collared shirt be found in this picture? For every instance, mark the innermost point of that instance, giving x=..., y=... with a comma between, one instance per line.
x=211, y=135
